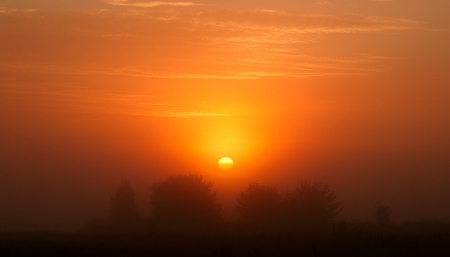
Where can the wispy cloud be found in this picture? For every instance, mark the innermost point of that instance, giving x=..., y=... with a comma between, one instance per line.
x=177, y=113
x=90, y=100
x=147, y=4
x=187, y=44
x=7, y=10
x=323, y=3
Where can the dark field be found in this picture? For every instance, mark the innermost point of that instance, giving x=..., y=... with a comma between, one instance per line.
x=81, y=244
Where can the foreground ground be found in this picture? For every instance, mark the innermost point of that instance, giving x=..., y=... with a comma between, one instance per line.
x=57, y=244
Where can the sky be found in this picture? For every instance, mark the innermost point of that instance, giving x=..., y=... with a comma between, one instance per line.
x=352, y=93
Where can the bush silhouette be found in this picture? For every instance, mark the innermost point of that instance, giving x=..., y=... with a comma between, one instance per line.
x=382, y=215
x=259, y=206
x=185, y=202
x=311, y=205
x=123, y=213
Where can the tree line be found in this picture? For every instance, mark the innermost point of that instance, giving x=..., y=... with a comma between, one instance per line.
x=187, y=203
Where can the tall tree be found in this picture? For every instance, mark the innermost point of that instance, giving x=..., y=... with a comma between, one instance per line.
x=311, y=204
x=124, y=213
x=259, y=205
x=185, y=201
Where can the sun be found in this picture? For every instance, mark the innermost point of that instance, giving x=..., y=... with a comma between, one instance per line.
x=226, y=163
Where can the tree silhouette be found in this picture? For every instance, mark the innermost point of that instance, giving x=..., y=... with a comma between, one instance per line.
x=311, y=204
x=185, y=201
x=259, y=206
x=123, y=214
x=382, y=215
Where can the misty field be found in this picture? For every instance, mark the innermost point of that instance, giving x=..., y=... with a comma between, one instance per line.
x=287, y=244
x=187, y=220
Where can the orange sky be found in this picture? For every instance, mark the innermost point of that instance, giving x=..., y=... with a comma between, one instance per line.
x=351, y=93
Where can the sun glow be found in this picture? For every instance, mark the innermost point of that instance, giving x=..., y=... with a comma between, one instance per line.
x=226, y=163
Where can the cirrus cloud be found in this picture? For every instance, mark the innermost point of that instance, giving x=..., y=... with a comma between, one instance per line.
x=147, y=4
x=170, y=42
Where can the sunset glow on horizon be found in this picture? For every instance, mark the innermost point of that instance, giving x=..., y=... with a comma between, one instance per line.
x=352, y=93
